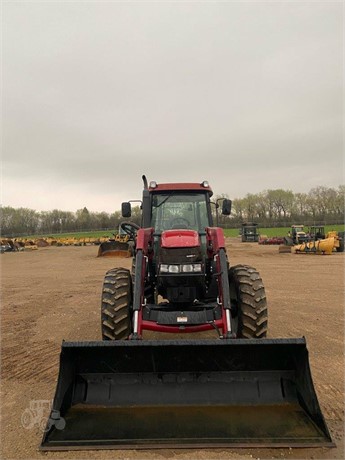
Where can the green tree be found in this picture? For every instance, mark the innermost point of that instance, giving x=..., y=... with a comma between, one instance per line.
x=83, y=219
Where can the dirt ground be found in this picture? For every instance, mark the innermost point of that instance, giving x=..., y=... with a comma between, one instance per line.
x=54, y=293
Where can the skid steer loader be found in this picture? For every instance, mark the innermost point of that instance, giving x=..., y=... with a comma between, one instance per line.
x=236, y=389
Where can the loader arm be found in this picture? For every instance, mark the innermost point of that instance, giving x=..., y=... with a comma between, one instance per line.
x=143, y=255
x=216, y=250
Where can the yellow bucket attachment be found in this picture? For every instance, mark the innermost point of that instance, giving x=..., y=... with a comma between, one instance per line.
x=114, y=249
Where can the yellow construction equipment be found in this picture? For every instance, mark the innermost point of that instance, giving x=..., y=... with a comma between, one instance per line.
x=120, y=245
x=325, y=246
x=116, y=247
x=8, y=245
x=339, y=236
x=26, y=243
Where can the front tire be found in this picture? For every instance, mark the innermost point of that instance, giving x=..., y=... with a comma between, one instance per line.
x=341, y=236
x=116, y=305
x=248, y=298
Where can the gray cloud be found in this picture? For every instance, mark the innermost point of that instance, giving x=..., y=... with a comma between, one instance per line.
x=248, y=96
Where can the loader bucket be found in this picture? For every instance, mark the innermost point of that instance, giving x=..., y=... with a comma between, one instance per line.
x=160, y=394
x=113, y=249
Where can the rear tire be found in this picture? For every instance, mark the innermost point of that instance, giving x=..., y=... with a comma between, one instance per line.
x=341, y=242
x=340, y=248
x=247, y=293
x=116, y=305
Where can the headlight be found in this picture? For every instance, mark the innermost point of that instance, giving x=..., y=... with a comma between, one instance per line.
x=186, y=268
x=174, y=269
x=191, y=268
x=197, y=268
x=164, y=268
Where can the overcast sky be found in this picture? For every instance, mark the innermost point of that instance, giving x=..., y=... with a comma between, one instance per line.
x=246, y=95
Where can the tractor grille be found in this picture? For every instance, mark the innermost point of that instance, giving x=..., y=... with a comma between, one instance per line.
x=180, y=255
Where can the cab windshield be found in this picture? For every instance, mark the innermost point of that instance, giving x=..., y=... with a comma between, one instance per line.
x=179, y=211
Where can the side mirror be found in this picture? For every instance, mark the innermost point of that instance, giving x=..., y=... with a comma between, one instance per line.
x=226, y=207
x=126, y=210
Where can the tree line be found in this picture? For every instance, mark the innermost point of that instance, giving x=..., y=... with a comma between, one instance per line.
x=24, y=221
x=269, y=208
x=274, y=207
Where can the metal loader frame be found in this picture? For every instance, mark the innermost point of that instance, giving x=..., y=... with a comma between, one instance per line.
x=216, y=252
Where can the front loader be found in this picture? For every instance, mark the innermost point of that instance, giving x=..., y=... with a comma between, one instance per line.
x=121, y=245
x=234, y=387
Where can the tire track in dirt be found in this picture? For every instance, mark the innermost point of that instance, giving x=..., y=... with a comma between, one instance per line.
x=38, y=362
x=16, y=326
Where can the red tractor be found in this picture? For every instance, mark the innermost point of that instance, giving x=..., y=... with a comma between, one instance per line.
x=130, y=394
x=180, y=279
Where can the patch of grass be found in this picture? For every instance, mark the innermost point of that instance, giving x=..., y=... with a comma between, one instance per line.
x=270, y=232
x=91, y=234
x=278, y=231
x=231, y=232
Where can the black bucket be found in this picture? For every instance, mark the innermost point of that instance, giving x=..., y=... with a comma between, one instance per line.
x=187, y=393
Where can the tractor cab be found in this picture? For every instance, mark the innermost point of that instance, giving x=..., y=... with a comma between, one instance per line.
x=249, y=232
x=180, y=210
x=297, y=234
x=178, y=206
x=180, y=215
x=317, y=232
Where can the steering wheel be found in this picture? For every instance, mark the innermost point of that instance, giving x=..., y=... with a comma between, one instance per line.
x=130, y=228
x=179, y=222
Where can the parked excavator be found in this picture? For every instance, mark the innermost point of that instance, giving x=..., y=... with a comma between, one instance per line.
x=236, y=389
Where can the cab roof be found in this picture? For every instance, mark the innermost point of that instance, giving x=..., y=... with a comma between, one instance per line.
x=187, y=186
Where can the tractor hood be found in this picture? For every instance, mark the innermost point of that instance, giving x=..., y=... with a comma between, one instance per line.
x=180, y=239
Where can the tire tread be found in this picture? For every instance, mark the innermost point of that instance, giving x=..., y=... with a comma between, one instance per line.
x=252, y=303
x=116, y=303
